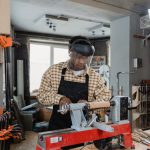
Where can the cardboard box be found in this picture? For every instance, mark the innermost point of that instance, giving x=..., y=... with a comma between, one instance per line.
x=45, y=114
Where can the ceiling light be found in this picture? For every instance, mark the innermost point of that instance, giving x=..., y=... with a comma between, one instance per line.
x=103, y=32
x=50, y=25
x=54, y=28
x=149, y=13
x=59, y=17
x=93, y=32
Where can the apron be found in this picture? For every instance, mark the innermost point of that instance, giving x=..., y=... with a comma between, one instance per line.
x=73, y=90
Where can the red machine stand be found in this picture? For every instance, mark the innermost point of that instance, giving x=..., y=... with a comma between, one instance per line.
x=61, y=138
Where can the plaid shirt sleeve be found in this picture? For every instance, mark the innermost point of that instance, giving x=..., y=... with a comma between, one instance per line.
x=47, y=94
x=101, y=93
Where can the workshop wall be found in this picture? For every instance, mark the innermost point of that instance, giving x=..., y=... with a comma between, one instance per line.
x=22, y=53
x=120, y=44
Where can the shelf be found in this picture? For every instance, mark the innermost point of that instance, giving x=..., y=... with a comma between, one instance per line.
x=141, y=115
x=145, y=113
x=138, y=36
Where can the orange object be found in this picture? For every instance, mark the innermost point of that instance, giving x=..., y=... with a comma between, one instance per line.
x=5, y=41
x=1, y=110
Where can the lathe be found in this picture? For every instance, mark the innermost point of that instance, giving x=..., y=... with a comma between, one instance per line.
x=84, y=130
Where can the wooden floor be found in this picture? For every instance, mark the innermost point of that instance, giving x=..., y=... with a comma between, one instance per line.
x=31, y=140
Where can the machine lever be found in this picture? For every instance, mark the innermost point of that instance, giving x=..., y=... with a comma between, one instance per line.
x=93, y=120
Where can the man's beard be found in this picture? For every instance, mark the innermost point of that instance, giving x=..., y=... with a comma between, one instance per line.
x=73, y=67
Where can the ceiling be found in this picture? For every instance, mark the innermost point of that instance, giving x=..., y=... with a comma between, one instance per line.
x=89, y=18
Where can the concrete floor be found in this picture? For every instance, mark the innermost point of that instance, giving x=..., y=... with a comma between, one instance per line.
x=31, y=140
x=28, y=144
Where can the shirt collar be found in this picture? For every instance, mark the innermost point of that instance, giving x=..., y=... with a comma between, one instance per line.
x=65, y=65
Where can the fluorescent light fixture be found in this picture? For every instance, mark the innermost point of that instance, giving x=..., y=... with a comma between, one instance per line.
x=59, y=17
x=149, y=13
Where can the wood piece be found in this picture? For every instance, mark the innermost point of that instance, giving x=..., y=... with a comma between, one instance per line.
x=141, y=134
x=96, y=105
x=136, y=139
x=148, y=134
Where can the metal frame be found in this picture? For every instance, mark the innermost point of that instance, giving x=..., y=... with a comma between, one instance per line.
x=55, y=140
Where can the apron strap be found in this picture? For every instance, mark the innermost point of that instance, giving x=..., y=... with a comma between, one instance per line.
x=63, y=73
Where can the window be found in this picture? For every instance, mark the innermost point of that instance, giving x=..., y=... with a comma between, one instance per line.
x=42, y=56
x=60, y=54
x=39, y=62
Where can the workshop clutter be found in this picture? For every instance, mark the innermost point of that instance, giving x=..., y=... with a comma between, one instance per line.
x=141, y=137
x=5, y=41
x=45, y=114
x=43, y=122
x=10, y=131
x=141, y=100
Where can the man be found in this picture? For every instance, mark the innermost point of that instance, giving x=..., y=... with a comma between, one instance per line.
x=72, y=82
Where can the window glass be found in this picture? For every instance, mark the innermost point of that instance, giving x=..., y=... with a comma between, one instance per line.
x=39, y=63
x=60, y=55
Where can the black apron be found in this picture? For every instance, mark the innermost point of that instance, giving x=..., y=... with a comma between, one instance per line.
x=73, y=90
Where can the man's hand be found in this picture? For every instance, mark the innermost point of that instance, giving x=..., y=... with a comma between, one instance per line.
x=64, y=100
x=82, y=101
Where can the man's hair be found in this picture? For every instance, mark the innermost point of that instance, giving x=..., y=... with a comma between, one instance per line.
x=81, y=45
x=75, y=38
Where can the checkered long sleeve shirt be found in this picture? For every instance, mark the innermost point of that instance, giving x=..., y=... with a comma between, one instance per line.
x=48, y=91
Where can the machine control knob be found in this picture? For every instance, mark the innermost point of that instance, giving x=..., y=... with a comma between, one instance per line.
x=112, y=103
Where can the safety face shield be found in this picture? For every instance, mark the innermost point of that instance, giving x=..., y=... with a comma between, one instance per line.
x=78, y=61
x=85, y=50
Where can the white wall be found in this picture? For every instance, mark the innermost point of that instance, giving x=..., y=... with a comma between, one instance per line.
x=120, y=48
